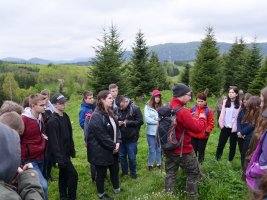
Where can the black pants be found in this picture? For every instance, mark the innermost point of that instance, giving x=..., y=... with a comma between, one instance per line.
x=224, y=135
x=102, y=172
x=67, y=181
x=199, y=146
x=244, y=151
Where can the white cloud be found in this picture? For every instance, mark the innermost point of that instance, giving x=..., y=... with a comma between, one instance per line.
x=65, y=29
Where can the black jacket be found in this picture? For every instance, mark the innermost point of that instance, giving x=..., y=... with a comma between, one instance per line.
x=134, y=120
x=100, y=140
x=60, y=140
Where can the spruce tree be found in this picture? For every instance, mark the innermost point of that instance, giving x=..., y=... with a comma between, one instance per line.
x=205, y=72
x=252, y=66
x=185, y=74
x=159, y=77
x=10, y=87
x=260, y=80
x=141, y=78
x=236, y=64
x=107, y=62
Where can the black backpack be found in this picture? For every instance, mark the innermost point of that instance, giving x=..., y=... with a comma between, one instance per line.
x=166, y=129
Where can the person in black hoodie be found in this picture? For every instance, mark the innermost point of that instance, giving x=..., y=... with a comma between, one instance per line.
x=130, y=120
x=61, y=147
x=103, y=142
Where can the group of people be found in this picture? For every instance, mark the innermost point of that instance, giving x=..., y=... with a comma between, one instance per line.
x=42, y=133
x=43, y=138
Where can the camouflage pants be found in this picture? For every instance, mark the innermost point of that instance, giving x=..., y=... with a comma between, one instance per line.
x=189, y=164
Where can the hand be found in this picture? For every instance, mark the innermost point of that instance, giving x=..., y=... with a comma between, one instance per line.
x=239, y=135
x=27, y=166
x=121, y=123
x=116, y=148
x=202, y=115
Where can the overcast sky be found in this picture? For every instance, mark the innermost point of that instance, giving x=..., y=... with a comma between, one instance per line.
x=67, y=29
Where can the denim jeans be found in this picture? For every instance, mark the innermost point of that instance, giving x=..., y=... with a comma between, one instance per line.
x=128, y=150
x=153, y=150
x=38, y=166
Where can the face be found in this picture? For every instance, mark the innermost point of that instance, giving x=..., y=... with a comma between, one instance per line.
x=46, y=99
x=123, y=105
x=89, y=99
x=186, y=98
x=232, y=94
x=262, y=101
x=157, y=99
x=201, y=102
x=60, y=106
x=39, y=107
x=107, y=102
x=114, y=92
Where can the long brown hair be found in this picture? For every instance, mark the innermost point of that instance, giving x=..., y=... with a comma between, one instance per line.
x=261, y=193
x=252, y=110
x=152, y=103
x=102, y=95
x=236, y=102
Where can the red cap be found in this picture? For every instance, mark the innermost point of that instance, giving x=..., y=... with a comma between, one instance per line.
x=156, y=92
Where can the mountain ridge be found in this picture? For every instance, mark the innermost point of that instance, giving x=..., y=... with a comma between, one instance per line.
x=166, y=52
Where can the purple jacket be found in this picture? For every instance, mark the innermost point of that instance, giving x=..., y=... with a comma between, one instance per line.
x=263, y=155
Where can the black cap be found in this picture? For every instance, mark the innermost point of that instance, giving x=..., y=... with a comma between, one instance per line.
x=58, y=98
x=180, y=89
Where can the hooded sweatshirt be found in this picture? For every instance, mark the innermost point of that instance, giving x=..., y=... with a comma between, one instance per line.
x=9, y=153
x=32, y=140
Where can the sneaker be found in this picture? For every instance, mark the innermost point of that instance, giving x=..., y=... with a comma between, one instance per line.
x=106, y=197
x=118, y=191
x=124, y=174
x=150, y=168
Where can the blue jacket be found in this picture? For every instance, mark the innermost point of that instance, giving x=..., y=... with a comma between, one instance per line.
x=85, y=108
x=244, y=128
x=151, y=119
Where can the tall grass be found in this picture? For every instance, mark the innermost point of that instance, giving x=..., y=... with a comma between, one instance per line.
x=222, y=181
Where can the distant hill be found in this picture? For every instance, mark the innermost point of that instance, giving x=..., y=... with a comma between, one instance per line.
x=168, y=51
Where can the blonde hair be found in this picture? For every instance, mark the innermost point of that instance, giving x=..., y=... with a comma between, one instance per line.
x=35, y=98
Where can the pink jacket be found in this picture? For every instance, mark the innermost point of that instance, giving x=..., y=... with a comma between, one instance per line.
x=234, y=119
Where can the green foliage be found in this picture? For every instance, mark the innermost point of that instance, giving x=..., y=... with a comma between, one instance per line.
x=158, y=74
x=141, y=79
x=236, y=64
x=10, y=87
x=171, y=69
x=185, y=74
x=107, y=62
x=260, y=80
x=205, y=72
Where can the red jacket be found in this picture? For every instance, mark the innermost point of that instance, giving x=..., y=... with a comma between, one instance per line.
x=185, y=121
x=209, y=122
x=32, y=141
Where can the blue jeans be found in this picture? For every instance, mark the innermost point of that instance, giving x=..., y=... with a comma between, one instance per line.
x=38, y=167
x=153, y=151
x=130, y=150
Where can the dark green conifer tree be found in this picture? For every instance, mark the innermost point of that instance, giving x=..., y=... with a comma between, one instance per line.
x=205, y=72
x=236, y=63
x=185, y=74
x=159, y=77
x=260, y=80
x=141, y=77
x=107, y=62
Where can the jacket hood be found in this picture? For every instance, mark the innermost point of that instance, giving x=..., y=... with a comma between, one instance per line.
x=27, y=112
x=10, y=153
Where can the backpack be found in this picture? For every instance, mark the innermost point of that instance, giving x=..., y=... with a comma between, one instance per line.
x=166, y=129
x=254, y=171
x=206, y=110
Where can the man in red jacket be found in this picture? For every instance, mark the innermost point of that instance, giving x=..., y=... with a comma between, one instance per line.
x=33, y=139
x=185, y=123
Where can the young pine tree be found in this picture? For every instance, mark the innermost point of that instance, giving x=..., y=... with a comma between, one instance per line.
x=107, y=62
x=260, y=80
x=185, y=74
x=141, y=80
x=236, y=64
x=159, y=76
x=205, y=72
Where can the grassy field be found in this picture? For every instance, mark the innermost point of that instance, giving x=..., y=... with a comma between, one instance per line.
x=222, y=182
